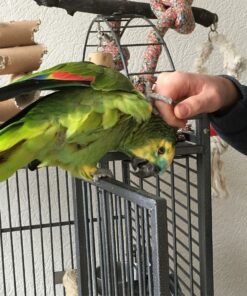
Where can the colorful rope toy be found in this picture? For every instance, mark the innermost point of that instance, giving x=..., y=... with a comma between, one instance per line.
x=174, y=14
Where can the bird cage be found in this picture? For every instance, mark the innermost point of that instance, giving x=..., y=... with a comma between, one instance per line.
x=123, y=236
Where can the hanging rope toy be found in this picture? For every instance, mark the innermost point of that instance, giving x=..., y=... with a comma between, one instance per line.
x=110, y=46
x=174, y=14
x=234, y=65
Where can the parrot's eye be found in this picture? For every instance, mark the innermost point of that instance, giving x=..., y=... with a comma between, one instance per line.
x=161, y=150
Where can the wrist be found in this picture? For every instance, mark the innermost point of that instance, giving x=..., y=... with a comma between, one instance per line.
x=230, y=93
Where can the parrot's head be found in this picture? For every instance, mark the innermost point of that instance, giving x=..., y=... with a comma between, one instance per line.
x=153, y=147
x=153, y=158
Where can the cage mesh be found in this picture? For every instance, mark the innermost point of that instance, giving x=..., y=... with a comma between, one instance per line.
x=37, y=240
x=36, y=233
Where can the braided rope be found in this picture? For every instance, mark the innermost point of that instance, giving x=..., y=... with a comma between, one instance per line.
x=174, y=14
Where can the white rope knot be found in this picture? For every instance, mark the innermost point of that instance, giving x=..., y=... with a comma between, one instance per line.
x=70, y=283
x=218, y=181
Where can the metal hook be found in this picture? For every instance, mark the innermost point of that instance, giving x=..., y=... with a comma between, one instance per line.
x=213, y=27
x=213, y=30
x=100, y=35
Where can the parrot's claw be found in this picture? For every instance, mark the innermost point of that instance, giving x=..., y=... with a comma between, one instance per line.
x=157, y=97
x=102, y=173
x=151, y=95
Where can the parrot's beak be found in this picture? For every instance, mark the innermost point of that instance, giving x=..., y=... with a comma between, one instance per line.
x=143, y=168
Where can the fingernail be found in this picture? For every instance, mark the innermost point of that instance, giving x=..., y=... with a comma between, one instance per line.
x=183, y=111
x=154, y=87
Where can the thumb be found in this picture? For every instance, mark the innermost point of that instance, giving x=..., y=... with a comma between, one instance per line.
x=190, y=107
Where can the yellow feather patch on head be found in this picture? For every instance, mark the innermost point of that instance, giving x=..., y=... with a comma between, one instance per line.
x=150, y=152
x=152, y=146
x=146, y=151
x=170, y=151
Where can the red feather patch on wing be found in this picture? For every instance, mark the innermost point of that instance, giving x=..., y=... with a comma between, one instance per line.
x=71, y=76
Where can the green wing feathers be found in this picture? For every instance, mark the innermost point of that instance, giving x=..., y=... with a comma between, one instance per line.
x=100, y=78
x=74, y=74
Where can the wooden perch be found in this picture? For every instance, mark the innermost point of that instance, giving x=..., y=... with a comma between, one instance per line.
x=108, y=7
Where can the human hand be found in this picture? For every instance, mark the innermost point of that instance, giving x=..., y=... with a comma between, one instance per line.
x=192, y=94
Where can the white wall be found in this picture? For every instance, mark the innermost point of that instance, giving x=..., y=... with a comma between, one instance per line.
x=64, y=37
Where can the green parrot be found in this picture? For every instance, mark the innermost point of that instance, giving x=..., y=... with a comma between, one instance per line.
x=93, y=110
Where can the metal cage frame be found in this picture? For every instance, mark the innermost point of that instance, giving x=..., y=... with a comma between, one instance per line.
x=167, y=218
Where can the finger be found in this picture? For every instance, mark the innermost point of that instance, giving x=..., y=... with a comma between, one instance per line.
x=191, y=106
x=167, y=113
x=173, y=85
x=165, y=86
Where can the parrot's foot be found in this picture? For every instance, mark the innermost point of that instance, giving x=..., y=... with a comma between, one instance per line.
x=33, y=165
x=151, y=95
x=102, y=173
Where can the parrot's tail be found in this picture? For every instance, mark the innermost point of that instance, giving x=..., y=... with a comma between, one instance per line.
x=15, y=140
x=13, y=159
